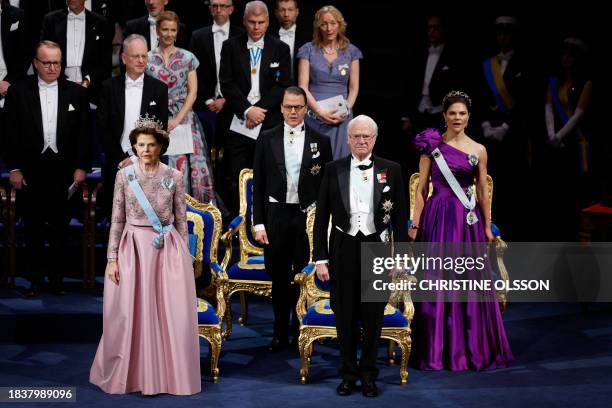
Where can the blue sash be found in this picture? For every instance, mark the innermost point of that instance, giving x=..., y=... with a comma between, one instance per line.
x=556, y=100
x=158, y=241
x=495, y=80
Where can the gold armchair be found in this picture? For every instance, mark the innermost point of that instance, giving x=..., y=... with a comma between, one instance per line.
x=317, y=318
x=204, y=222
x=500, y=244
x=249, y=273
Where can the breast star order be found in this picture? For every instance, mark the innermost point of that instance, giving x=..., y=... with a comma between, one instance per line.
x=316, y=169
x=387, y=205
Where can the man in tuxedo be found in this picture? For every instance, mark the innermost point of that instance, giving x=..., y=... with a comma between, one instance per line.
x=505, y=109
x=85, y=42
x=363, y=194
x=289, y=162
x=122, y=101
x=287, y=12
x=146, y=25
x=49, y=155
x=13, y=63
x=435, y=73
x=255, y=70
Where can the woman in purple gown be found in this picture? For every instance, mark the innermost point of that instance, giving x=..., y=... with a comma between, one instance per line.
x=455, y=335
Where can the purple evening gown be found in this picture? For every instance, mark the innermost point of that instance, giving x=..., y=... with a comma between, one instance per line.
x=455, y=335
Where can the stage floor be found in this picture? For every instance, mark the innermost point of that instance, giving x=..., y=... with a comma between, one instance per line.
x=563, y=357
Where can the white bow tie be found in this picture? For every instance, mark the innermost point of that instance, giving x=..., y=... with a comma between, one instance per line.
x=286, y=33
x=259, y=44
x=294, y=131
x=152, y=20
x=45, y=85
x=133, y=84
x=72, y=16
x=216, y=29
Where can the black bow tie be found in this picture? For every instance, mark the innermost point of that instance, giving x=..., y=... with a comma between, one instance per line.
x=363, y=167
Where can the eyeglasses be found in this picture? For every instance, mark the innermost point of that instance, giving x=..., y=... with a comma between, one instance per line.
x=220, y=6
x=362, y=137
x=49, y=64
x=292, y=108
x=138, y=56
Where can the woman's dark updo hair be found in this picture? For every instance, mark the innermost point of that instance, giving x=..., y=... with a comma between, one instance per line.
x=456, y=97
x=160, y=136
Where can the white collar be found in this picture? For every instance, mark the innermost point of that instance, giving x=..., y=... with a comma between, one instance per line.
x=225, y=27
x=296, y=130
x=43, y=84
x=290, y=30
x=137, y=80
x=80, y=16
x=356, y=162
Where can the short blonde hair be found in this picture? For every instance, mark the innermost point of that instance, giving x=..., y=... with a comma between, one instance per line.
x=317, y=38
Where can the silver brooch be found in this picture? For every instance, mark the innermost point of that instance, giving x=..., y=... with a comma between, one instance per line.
x=131, y=177
x=473, y=159
x=167, y=182
x=387, y=218
x=316, y=169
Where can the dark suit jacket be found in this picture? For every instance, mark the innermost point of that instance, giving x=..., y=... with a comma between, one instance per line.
x=141, y=26
x=97, y=54
x=111, y=111
x=203, y=47
x=270, y=173
x=14, y=42
x=516, y=80
x=302, y=36
x=447, y=76
x=235, y=76
x=25, y=135
x=334, y=201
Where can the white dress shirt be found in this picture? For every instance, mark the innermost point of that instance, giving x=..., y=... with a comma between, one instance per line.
x=361, y=198
x=293, y=145
x=288, y=37
x=254, y=94
x=153, y=32
x=88, y=4
x=426, y=105
x=293, y=142
x=220, y=34
x=133, y=100
x=3, y=69
x=14, y=3
x=504, y=58
x=75, y=45
x=48, y=107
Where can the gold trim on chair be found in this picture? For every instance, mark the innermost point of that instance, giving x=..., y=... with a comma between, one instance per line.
x=210, y=332
x=247, y=249
x=310, y=294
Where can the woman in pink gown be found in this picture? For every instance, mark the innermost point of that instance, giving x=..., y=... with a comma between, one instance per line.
x=149, y=341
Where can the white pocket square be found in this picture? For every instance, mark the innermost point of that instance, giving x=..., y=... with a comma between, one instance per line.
x=274, y=65
x=70, y=108
x=152, y=103
x=445, y=68
x=14, y=26
x=387, y=188
x=97, y=37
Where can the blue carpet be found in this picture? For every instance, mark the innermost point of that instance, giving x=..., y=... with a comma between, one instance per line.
x=563, y=358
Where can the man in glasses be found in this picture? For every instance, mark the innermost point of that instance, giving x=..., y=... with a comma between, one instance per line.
x=122, y=101
x=48, y=153
x=364, y=196
x=206, y=44
x=287, y=173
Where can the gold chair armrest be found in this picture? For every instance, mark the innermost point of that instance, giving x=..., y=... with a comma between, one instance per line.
x=300, y=307
x=226, y=239
x=220, y=280
x=500, y=250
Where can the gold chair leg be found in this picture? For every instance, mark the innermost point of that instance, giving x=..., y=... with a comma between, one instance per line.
x=244, y=309
x=391, y=352
x=227, y=332
x=215, y=351
x=305, y=346
x=405, y=347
